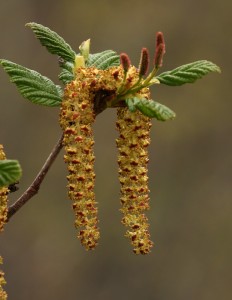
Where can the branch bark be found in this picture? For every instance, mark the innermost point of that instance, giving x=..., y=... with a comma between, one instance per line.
x=35, y=185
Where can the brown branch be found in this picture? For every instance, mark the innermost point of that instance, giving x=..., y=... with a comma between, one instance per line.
x=35, y=185
x=101, y=102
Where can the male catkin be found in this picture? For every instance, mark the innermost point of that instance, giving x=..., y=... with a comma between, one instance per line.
x=133, y=141
x=76, y=119
x=3, y=196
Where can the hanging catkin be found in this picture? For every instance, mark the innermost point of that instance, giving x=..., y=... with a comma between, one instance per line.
x=3, y=294
x=76, y=119
x=3, y=196
x=3, y=218
x=132, y=144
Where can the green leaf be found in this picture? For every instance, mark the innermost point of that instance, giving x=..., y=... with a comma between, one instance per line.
x=10, y=172
x=153, y=109
x=188, y=73
x=52, y=41
x=103, y=60
x=66, y=75
x=131, y=103
x=150, y=108
x=32, y=85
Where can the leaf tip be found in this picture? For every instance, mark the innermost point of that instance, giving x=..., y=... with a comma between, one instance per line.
x=30, y=24
x=3, y=62
x=218, y=69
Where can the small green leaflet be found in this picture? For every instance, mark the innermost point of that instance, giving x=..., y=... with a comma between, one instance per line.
x=150, y=108
x=103, y=60
x=84, y=49
x=32, y=85
x=10, y=172
x=66, y=75
x=52, y=41
x=188, y=73
x=131, y=103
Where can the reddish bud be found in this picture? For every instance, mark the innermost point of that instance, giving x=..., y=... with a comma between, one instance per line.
x=144, y=62
x=125, y=61
x=160, y=50
x=159, y=53
x=160, y=39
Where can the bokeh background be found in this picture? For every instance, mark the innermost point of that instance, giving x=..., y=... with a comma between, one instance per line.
x=190, y=158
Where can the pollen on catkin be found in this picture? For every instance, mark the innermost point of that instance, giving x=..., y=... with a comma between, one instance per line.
x=3, y=294
x=133, y=158
x=76, y=119
x=77, y=116
x=3, y=197
x=133, y=142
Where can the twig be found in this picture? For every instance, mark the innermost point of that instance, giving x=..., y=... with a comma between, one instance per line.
x=35, y=185
x=100, y=104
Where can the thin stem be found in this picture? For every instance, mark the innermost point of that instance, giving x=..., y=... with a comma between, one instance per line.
x=35, y=185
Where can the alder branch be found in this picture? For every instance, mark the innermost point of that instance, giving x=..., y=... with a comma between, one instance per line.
x=100, y=104
x=35, y=185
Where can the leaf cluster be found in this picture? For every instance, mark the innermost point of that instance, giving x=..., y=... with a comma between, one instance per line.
x=41, y=90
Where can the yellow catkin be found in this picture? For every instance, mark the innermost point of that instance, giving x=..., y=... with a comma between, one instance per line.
x=133, y=142
x=76, y=119
x=3, y=196
x=3, y=295
x=133, y=158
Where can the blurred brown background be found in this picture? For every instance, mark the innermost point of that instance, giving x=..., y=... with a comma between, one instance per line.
x=190, y=158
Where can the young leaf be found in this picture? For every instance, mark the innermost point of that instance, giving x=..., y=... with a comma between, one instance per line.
x=52, y=41
x=131, y=103
x=188, y=73
x=103, y=60
x=66, y=75
x=32, y=85
x=84, y=49
x=10, y=172
x=154, y=109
